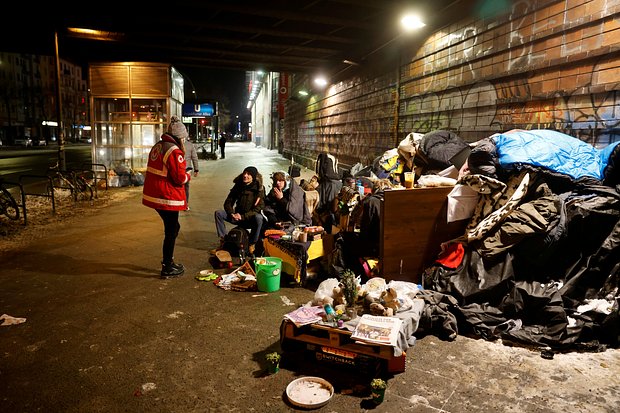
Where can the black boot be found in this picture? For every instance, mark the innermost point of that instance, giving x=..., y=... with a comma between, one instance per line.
x=172, y=270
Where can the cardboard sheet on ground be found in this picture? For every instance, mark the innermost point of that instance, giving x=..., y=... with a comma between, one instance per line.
x=242, y=278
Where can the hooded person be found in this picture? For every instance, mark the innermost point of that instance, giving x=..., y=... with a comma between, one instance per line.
x=191, y=156
x=243, y=206
x=164, y=190
x=285, y=202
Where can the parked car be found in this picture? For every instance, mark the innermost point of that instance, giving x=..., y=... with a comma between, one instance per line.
x=38, y=141
x=85, y=139
x=23, y=141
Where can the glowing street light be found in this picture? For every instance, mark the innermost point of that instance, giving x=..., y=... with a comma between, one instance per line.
x=320, y=81
x=411, y=22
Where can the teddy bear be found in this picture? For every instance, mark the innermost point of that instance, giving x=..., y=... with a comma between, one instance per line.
x=324, y=294
x=338, y=300
x=386, y=305
x=389, y=298
x=380, y=309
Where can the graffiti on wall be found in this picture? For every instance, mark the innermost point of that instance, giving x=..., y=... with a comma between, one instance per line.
x=543, y=65
x=477, y=98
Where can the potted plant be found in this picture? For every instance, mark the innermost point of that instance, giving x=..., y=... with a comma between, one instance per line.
x=273, y=361
x=378, y=387
x=350, y=286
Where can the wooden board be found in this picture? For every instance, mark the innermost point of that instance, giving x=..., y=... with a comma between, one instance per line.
x=413, y=226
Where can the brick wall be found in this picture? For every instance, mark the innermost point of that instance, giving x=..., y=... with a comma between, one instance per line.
x=542, y=65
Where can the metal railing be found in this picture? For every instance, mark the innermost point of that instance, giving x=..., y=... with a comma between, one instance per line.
x=26, y=181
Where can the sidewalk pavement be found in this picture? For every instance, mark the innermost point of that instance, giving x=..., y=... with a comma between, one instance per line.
x=104, y=334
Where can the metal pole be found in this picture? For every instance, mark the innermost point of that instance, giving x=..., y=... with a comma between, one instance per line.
x=61, y=134
x=397, y=96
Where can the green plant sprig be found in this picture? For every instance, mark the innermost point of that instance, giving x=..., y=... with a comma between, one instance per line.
x=378, y=384
x=350, y=285
x=273, y=357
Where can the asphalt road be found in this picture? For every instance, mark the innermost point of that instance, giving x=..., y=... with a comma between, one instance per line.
x=102, y=332
x=15, y=162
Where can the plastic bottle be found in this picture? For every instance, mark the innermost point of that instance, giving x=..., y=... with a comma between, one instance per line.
x=329, y=312
x=360, y=187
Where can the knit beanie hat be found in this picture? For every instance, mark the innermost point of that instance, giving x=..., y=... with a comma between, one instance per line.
x=177, y=129
x=252, y=171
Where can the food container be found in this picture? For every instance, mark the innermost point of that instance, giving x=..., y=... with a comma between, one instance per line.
x=309, y=392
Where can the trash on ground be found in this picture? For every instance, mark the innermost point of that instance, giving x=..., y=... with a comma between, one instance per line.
x=7, y=320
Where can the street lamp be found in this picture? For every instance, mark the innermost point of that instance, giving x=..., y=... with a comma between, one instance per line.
x=61, y=133
x=86, y=34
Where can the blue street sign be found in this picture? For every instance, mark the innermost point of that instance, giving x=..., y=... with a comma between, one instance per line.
x=195, y=110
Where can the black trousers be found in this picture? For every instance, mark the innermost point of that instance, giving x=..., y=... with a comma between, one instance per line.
x=171, y=230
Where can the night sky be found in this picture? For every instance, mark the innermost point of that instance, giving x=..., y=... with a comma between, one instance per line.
x=223, y=85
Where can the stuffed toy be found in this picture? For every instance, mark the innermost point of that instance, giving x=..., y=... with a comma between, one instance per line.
x=324, y=294
x=389, y=298
x=338, y=295
x=323, y=300
x=379, y=309
x=368, y=300
x=386, y=305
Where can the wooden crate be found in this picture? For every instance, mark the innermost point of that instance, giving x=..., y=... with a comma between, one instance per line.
x=318, y=248
x=338, y=342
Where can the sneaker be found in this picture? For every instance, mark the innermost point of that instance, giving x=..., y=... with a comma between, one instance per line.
x=172, y=270
x=178, y=266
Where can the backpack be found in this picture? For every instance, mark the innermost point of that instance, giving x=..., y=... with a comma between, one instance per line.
x=327, y=167
x=237, y=237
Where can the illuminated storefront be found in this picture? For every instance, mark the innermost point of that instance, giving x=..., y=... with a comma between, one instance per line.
x=131, y=104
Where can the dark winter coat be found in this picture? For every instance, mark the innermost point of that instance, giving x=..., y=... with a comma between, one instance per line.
x=291, y=208
x=370, y=225
x=247, y=200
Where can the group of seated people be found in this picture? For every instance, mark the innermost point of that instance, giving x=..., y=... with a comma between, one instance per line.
x=249, y=206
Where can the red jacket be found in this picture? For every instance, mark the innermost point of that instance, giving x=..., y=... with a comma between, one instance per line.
x=164, y=183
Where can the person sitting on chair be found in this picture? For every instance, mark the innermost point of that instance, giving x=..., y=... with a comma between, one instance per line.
x=243, y=206
x=285, y=202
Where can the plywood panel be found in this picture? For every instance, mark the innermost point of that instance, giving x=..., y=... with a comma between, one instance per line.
x=413, y=226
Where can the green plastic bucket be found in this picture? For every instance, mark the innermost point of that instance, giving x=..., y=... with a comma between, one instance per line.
x=268, y=270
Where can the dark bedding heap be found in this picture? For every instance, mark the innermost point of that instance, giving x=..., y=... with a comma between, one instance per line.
x=539, y=263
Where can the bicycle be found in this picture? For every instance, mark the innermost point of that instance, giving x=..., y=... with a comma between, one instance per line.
x=62, y=187
x=84, y=184
x=8, y=204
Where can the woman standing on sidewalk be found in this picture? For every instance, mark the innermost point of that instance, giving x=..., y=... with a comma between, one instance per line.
x=164, y=189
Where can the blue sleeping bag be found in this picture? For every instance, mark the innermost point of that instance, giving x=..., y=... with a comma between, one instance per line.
x=552, y=150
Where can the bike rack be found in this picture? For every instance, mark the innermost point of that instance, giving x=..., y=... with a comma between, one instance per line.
x=39, y=178
x=22, y=185
x=93, y=167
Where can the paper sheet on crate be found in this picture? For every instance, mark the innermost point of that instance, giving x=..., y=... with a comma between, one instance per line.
x=377, y=330
x=305, y=315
